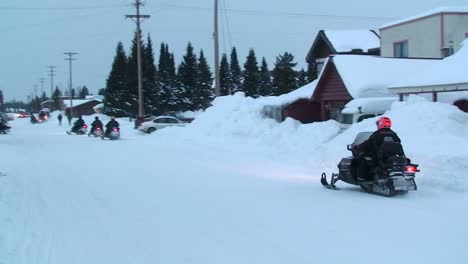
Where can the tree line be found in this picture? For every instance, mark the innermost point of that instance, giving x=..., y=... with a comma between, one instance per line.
x=189, y=86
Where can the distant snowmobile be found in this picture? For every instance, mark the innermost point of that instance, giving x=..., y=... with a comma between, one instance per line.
x=391, y=173
x=80, y=131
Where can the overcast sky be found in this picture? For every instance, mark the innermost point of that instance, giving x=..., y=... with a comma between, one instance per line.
x=36, y=34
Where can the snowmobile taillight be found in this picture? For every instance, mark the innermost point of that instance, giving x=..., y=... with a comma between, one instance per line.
x=85, y=126
x=410, y=169
x=98, y=128
x=115, y=129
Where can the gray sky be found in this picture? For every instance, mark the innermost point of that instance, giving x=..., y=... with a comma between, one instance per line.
x=36, y=34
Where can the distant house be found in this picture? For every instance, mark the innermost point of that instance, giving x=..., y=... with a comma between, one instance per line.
x=434, y=34
x=329, y=42
x=81, y=106
x=445, y=81
x=347, y=77
x=296, y=105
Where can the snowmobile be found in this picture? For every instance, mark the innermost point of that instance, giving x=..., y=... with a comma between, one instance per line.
x=113, y=134
x=97, y=132
x=390, y=172
x=80, y=131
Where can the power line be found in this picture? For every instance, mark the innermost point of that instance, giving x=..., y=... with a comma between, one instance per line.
x=290, y=14
x=12, y=8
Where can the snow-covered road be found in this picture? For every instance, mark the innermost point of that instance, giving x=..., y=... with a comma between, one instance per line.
x=145, y=199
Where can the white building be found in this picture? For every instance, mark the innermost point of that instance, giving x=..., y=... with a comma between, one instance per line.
x=434, y=34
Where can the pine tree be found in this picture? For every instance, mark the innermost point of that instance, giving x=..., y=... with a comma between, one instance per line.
x=102, y=91
x=284, y=76
x=187, y=76
x=130, y=99
x=57, y=104
x=151, y=89
x=225, y=76
x=311, y=72
x=117, y=83
x=236, y=73
x=204, y=93
x=251, y=76
x=84, y=92
x=302, y=78
x=265, y=85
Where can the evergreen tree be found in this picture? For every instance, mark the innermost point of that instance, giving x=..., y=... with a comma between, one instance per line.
x=236, y=73
x=284, y=76
x=130, y=99
x=84, y=92
x=265, y=85
x=225, y=76
x=117, y=83
x=302, y=78
x=251, y=76
x=57, y=104
x=203, y=94
x=102, y=91
x=187, y=76
x=311, y=72
x=163, y=65
x=43, y=99
x=151, y=89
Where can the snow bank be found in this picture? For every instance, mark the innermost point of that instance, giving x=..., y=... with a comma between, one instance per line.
x=434, y=135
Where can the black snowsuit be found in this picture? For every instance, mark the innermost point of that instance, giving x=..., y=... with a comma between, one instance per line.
x=78, y=124
x=111, y=124
x=96, y=124
x=370, y=147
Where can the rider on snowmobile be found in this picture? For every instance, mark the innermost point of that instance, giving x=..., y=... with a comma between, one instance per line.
x=371, y=146
x=78, y=124
x=110, y=125
x=96, y=123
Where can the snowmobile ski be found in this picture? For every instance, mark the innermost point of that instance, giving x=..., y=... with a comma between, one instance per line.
x=331, y=185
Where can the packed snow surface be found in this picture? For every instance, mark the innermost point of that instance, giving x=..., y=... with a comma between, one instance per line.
x=231, y=187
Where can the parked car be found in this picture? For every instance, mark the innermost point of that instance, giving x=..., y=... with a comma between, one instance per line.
x=160, y=122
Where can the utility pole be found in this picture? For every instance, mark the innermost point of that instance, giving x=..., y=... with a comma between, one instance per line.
x=137, y=19
x=51, y=74
x=36, y=101
x=70, y=59
x=216, y=50
x=42, y=88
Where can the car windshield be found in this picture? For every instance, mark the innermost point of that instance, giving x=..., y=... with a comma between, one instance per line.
x=346, y=118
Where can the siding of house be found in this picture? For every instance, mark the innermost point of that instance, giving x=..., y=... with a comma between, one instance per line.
x=423, y=36
x=331, y=93
x=455, y=28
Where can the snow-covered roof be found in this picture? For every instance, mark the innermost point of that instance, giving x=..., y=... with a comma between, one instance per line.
x=304, y=92
x=451, y=70
x=447, y=9
x=347, y=40
x=369, y=105
x=77, y=102
x=370, y=76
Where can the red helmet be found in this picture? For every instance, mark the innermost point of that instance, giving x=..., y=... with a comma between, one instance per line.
x=383, y=122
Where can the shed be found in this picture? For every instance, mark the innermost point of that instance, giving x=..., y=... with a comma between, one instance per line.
x=296, y=105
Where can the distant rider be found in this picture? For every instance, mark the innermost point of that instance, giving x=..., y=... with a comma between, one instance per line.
x=110, y=125
x=78, y=124
x=371, y=146
x=96, y=123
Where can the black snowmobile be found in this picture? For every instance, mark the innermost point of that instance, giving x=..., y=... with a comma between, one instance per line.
x=389, y=173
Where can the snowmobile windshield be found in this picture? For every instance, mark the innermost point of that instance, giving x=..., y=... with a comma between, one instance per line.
x=361, y=137
x=346, y=118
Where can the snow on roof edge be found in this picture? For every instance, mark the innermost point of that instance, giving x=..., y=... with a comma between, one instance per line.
x=461, y=9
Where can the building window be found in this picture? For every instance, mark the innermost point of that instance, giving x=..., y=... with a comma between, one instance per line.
x=400, y=49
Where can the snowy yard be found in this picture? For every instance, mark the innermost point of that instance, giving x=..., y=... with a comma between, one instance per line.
x=228, y=192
